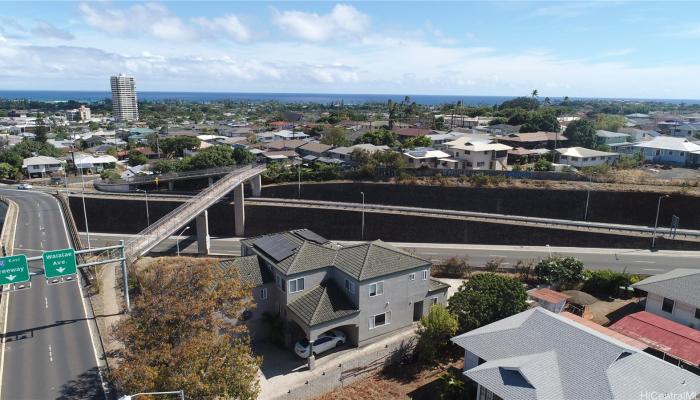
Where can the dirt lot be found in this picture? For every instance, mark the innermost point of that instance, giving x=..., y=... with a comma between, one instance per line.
x=407, y=382
x=607, y=312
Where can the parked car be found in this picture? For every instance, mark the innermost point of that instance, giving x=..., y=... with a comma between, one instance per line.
x=24, y=186
x=325, y=342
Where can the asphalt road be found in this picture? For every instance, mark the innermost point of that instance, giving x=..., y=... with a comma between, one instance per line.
x=48, y=348
x=638, y=261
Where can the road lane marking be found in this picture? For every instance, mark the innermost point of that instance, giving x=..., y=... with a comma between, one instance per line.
x=46, y=301
x=50, y=354
x=497, y=255
x=652, y=269
x=646, y=262
x=4, y=335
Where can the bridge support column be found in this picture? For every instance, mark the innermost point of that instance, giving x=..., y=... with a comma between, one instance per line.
x=171, y=185
x=239, y=210
x=203, y=242
x=255, y=185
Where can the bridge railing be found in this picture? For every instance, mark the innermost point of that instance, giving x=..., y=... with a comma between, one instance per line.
x=169, y=176
x=177, y=218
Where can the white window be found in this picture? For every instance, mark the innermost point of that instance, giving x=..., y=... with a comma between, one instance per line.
x=296, y=285
x=425, y=274
x=349, y=286
x=376, y=289
x=263, y=293
x=378, y=320
x=412, y=276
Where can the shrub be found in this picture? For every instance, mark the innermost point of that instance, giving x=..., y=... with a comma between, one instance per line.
x=563, y=272
x=454, y=267
x=606, y=281
x=434, y=333
x=452, y=386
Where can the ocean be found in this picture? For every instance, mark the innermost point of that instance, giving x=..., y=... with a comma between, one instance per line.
x=319, y=98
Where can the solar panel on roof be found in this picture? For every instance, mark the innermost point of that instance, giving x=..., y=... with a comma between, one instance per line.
x=311, y=236
x=276, y=246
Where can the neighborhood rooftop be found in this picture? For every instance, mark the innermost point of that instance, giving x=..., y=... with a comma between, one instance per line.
x=680, y=283
x=537, y=354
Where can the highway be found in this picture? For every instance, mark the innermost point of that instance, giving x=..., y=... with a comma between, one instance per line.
x=639, y=261
x=48, y=349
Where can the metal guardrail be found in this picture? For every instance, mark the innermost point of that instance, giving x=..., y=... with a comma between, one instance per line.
x=134, y=180
x=177, y=218
x=428, y=212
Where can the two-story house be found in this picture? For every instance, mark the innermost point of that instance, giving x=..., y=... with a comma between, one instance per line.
x=538, y=354
x=428, y=158
x=313, y=285
x=478, y=154
x=674, y=295
x=40, y=166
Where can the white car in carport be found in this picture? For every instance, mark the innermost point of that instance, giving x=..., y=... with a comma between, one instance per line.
x=325, y=342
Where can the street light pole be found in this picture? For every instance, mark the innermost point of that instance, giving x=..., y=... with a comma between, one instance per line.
x=588, y=196
x=656, y=223
x=362, y=235
x=82, y=179
x=177, y=242
x=148, y=217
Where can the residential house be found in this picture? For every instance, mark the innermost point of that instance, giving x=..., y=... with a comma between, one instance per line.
x=345, y=153
x=538, y=354
x=639, y=118
x=501, y=129
x=425, y=157
x=314, y=149
x=41, y=166
x=478, y=154
x=534, y=140
x=443, y=137
x=288, y=135
x=136, y=170
x=686, y=130
x=674, y=295
x=639, y=135
x=671, y=150
x=92, y=163
x=277, y=145
x=611, y=138
x=265, y=137
x=367, y=290
x=413, y=132
x=666, y=339
x=580, y=157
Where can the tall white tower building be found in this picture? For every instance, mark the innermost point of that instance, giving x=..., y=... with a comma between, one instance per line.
x=124, y=105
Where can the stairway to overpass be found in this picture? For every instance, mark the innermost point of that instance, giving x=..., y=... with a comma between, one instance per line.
x=196, y=208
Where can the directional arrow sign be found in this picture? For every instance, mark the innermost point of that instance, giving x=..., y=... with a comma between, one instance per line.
x=58, y=263
x=14, y=269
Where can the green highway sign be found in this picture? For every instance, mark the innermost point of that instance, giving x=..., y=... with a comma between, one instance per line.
x=14, y=269
x=59, y=263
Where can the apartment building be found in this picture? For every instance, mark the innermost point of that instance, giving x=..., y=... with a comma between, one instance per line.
x=124, y=104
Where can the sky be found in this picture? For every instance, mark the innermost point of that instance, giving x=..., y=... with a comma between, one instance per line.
x=579, y=49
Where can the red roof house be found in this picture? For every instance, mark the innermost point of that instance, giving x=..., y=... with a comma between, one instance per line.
x=662, y=334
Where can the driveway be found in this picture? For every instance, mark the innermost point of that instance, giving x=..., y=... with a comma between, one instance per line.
x=282, y=371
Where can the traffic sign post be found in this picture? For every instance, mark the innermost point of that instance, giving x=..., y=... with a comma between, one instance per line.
x=58, y=263
x=14, y=269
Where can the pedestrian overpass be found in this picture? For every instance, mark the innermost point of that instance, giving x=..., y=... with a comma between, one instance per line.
x=196, y=208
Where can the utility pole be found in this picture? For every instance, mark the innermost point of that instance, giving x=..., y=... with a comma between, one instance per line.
x=362, y=235
x=148, y=217
x=82, y=179
x=656, y=223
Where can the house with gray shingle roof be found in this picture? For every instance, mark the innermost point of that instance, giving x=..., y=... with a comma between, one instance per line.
x=367, y=290
x=674, y=295
x=538, y=354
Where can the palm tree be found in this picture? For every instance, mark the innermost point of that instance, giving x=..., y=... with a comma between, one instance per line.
x=535, y=93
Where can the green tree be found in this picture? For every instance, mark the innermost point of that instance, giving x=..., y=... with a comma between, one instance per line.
x=535, y=94
x=609, y=122
x=486, y=298
x=541, y=121
x=378, y=138
x=562, y=272
x=243, y=156
x=526, y=103
x=165, y=166
x=7, y=171
x=176, y=146
x=93, y=126
x=41, y=131
x=417, y=141
x=137, y=158
x=180, y=334
x=335, y=137
x=581, y=133
x=543, y=164
x=212, y=157
x=434, y=333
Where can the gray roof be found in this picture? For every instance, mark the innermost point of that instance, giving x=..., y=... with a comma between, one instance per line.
x=361, y=261
x=537, y=354
x=680, y=284
x=609, y=134
x=249, y=268
x=374, y=259
x=326, y=302
x=436, y=285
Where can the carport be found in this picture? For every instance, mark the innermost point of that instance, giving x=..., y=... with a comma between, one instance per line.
x=324, y=308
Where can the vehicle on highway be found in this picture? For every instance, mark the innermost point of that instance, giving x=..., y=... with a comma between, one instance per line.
x=24, y=186
x=325, y=342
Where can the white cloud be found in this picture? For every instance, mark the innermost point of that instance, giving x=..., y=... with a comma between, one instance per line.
x=229, y=25
x=342, y=21
x=158, y=21
x=46, y=30
x=617, y=53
